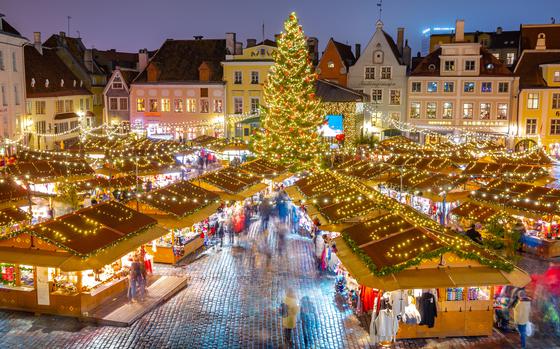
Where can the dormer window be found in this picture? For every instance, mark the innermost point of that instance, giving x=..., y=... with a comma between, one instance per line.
x=556, y=76
x=117, y=85
x=32, y=82
x=330, y=64
x=74, y=84
x=449, y=66
x=470, y=65
x=61, y=82
x=47, y=83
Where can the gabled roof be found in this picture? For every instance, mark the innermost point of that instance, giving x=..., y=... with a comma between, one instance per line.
x=423, y=68
x=345, y=52
x=75, y=47
x=505, y=39
x=530, y=32
x=8, y=29
x=329, y=91
x=528, y=67
x=393, y=46
x=49, y=66
x=179, y=60
x=110, y=59
x=268, y=42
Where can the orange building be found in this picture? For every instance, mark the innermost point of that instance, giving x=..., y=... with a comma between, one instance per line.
x=336, y=60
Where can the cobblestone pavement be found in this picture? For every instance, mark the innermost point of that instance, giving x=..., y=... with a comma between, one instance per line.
x=231, y=301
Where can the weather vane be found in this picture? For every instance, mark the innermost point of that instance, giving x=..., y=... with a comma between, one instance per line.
x=380, y=5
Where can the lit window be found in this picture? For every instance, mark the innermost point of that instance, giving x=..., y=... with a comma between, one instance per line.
x=510, y=58
x=467, y=110
x=165, y=104
x=237, y=78
x=204, y=105
x=178, y=105
x=254, y=105
x=386, y=73
x=486, y=87
x=370, y=73
x=140, y=106
x=330, y=64
x=218, y=106
x=447, y=110
x=468, y=87
x=191, y=105
x=484, y=111
x=58, y=107
x=69, y=105
x=415, y=110
x=502, y=111
x=254, y=77
x=555, y=127
x=40, y=107
x=431, y=108
x=395, y=97
x=556, y=101
x=557, y=76
x=377, y=96
x=449, y=66
x=153, y=105
x=470, y=65
x=238, y=105
x=533, y=101
x=432, y=86
x=531, y=127
x=416, y=86
x=503, y=87
x=448, y=86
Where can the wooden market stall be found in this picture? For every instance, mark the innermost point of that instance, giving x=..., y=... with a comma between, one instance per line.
x=232, y=183
x=72, y=264
x=397, y=254
x=487, y=171
x=12, y=194
x=177, y=207
x=366, y=170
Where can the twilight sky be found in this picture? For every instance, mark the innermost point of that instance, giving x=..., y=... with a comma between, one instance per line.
x=129, y=25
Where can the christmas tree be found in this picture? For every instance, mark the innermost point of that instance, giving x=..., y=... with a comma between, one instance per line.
x=291, y=114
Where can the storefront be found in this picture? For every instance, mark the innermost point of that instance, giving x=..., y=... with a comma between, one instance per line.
x=73, y=264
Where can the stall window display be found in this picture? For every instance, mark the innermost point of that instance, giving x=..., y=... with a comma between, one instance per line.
x=8, y=274
x=27, y=277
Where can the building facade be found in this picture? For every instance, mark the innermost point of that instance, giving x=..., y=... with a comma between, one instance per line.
x=58, y=103
x=336, y=61
x=539, y=99
x=180, y=94
x=462, y=87
x=381, y=73
x=12, y=80
x=244, y=77
x=117, y=97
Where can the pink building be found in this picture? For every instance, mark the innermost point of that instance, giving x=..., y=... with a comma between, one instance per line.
x=180, y=93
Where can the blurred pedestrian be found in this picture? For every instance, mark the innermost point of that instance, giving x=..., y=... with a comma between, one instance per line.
x=521, y=313
x=308, y=321
x=290, y=311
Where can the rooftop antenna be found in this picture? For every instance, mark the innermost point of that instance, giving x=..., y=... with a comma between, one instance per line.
x=380, y=5
x=263, y=31
x=68, y=18
x=79, y=35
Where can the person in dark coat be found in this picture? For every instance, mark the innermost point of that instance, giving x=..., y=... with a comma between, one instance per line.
x=427, y=309
x=474, y=235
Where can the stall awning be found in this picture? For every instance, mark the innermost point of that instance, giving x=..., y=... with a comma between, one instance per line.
x=172, y=222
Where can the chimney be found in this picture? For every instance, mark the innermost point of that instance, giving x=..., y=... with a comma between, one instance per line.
x=313, y=45
x=358, y=50
x=499, y=30
x=238, y=48
x=230, y=43
x=37, y=42
x=541, y=42
x=251, y=42
x=460, y=30
x=400, y=39
x=198, y=37
x=277, y=37
x=88, y=59
x=142, y=59
x=1, y=22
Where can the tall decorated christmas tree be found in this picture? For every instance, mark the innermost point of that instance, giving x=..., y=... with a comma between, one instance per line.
x=291, y=114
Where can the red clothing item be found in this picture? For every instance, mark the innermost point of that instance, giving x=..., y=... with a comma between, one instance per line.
x=367, y=296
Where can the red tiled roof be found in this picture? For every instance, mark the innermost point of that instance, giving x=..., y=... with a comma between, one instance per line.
x=530, y=32
x=345, y=52
x=528, y=70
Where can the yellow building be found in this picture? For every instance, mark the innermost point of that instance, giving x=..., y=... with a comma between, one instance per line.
x=539, y=98
x=244, y=75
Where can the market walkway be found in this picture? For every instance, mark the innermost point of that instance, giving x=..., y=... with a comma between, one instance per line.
x=231, y=301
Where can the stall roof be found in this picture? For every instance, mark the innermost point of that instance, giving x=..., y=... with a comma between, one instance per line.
x=523, y=173
x=231, y=179
x=146, y=166
x=363, y=169
x=180, y=198
x=262, y=167
x=432, y=164
x=204, y=140
x=474, y=212
x=12, y=215
x=102, y=182
x=316, y=183
x=44, y=170
x=534, y=157
x=11, y=191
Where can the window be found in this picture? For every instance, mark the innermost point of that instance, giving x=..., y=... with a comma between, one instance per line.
x=1, y=60
x=81, y=104
x=73, y=125
x=238, y=105
x=503, y=87
x=533, y=101
x=153, y=105
x=165, y=104
x=69, y=105
x=468, y=87
x=431, y=108
x=117, y=85
x=556, y=76
x=29, y=107
x=123, y=103
x=449, y=66
x=486, y=87
x=386, y=73
x=510, y=58
x=467, y=110
x=497, y=55
x=416, y=86
x=254, y=105
x=16, y=94
x=395, y=97
x=14, y=62
x=218, y=106
x=447, y=110
x=41, y=127
x=87, y=103
x=330, y=64
x=484, y=111
x=178, y=105
x=113, y=103
x=502, y=111
x=469, y=65
x=59, y=107
x=370, y=73
x=204, y=105
x=556, y=101
x=531, y=127
x=246, y=132
x=237, y=78
x=432, y=86
x=415, y=110
x=555, y=127
x=377, y=96
x=40, y=107
x=191, y=105
x=448, y=86
x=254, y=77
x=204, y=92
x=140, y=105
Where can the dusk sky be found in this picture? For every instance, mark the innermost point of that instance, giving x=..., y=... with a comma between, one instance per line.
x=128, y=25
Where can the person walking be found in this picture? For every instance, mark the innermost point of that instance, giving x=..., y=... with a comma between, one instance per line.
x=474, y=235
x=290, y=311
x=521, y=313
x=133, y=279
x=308, y=321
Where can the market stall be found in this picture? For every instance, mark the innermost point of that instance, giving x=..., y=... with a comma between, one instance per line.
x=179, y=208
x=232, y=183
x=427, y=283
x=12, y=194
x=72, y=264
x=487, y=171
